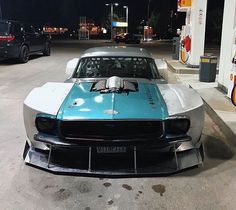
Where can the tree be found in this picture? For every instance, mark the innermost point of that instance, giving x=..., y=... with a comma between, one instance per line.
x=106, y=20
x=154, y=20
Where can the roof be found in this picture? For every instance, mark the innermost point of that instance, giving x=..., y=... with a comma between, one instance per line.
x=9, y=21
x=122, y=51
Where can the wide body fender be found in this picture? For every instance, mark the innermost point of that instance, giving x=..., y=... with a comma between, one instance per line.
x=45, y=100
x=181, y=100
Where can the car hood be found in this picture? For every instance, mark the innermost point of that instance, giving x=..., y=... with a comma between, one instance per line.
x=82, y=103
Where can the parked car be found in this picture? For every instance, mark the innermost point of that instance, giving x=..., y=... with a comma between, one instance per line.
x=19, y=40
x=114, y=115
x=127, y=38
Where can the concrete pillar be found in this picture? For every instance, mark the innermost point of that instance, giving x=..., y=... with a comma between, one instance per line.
x=197, y=30
x=227, y=43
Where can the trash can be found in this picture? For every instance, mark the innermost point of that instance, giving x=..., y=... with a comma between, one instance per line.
x=176, y=47
x=207, y=71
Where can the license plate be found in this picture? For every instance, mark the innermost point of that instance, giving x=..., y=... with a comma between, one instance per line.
x=111, y=149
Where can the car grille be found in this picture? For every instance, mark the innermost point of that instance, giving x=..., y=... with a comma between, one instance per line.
x=112, y=129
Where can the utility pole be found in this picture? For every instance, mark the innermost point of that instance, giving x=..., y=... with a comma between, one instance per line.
x=111, y=22
x=112, y=4
x=127, y=17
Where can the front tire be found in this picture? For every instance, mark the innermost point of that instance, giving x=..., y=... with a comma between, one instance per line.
x=24, y=54
x=47, y=49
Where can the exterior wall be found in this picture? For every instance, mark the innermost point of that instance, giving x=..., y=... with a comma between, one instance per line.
x=227, y=43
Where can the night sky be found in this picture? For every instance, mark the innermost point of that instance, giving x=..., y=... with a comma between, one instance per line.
x=67, y=12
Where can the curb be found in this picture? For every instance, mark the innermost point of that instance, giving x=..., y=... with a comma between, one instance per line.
x=186, y=70
x=182, y=71
x=230, y=135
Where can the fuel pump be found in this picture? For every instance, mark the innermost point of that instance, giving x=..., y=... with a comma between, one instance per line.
x=185, y=42
x=193, y=32
x=185, y=49
x=232, y=84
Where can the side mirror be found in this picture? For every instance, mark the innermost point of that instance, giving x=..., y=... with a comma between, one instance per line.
x=233, y=95
x=162, y=67
x=70, y=67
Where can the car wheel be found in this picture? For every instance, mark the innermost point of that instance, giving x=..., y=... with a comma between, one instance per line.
x=24, y=54
x=47, y=49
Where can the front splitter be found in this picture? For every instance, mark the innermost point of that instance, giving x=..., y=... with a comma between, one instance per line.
x=87, y=163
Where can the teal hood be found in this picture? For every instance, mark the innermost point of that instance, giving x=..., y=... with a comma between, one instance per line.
x=82, y=103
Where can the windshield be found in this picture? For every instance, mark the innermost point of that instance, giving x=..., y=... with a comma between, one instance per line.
x=132, y=67
x=4, y=27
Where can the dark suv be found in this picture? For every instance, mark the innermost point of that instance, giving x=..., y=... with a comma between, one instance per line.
x=19, y=40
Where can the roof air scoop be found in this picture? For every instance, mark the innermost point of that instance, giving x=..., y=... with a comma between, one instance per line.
x=114, y=84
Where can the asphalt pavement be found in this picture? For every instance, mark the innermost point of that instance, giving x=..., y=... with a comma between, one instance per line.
x=23, y=187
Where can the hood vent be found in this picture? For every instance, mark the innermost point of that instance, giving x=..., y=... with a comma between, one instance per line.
x=114, y=84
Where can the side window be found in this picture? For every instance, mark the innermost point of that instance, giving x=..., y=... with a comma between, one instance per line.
x=17, y=28
x=154, y=70
x=29, y=29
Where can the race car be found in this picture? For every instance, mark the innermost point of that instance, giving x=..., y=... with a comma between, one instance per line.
x=114, y=116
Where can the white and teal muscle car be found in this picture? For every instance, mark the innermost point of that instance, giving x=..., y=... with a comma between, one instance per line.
x=114, y=115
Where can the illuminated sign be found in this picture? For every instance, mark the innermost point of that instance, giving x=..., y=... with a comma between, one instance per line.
x=183, y=5
x=54, y=30
x=119, y=24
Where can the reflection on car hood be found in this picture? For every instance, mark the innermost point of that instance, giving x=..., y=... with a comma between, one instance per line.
x=81, y=103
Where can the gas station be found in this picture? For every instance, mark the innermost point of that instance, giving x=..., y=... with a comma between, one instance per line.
x=192, y=40
x=211, y=186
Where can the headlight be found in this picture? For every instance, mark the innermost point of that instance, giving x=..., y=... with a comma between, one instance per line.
x=45, y=125
x=177, y=126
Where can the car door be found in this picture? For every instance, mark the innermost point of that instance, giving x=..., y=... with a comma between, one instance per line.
x=16, y=29
x=41, y=38
x=32, y=38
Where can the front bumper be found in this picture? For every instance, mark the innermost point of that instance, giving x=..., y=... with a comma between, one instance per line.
x=138, y=160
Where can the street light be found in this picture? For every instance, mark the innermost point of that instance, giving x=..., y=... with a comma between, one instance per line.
x=112, y=4
x=127, y=17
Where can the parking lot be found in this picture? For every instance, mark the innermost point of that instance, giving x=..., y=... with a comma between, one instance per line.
x=25, y=187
